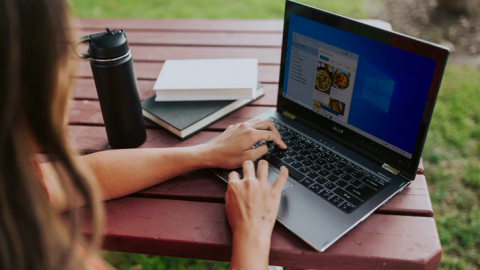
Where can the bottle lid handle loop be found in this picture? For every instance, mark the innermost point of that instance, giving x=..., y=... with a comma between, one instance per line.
x=80, y=41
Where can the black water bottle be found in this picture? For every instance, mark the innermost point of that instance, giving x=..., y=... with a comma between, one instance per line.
x=116, y=83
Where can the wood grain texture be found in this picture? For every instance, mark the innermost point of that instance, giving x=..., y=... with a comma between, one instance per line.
x=179, y=25
x=212, y=39
x=205, y=186
x=87, y=112
x=413, y=201
x=85, y=89
x=150, y=71
x=200, y=230
x=145, y=53
x=88, y=139
x=160, y=54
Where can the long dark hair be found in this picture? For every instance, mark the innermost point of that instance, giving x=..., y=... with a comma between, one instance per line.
x=34, y=92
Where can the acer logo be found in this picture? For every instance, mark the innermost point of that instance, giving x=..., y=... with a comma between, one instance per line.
x=339, y=130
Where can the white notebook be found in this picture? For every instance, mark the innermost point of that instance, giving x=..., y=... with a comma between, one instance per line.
x=207, y=79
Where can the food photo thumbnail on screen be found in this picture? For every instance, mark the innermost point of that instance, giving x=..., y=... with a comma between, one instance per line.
x=334, y=80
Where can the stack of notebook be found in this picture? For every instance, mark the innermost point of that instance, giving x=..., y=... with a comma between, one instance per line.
x=193, y=94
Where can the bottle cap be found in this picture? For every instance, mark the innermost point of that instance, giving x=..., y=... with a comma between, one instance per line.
x=105, y=45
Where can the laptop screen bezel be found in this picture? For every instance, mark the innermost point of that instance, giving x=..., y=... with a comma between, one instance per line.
x=408, y=167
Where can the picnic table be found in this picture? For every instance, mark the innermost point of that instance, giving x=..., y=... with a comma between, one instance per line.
x=185, y=216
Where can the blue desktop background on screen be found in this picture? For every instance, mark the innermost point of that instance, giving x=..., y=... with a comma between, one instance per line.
x=396, y=118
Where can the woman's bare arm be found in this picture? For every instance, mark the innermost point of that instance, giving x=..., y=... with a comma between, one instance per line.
x=122, y=172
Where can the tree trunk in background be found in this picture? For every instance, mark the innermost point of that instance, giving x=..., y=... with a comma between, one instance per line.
x=456, y=7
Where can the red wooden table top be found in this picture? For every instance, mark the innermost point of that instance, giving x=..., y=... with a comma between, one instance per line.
x=184, y=217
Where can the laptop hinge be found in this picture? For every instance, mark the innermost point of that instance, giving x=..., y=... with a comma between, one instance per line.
x=390, y=169
x=289, y=115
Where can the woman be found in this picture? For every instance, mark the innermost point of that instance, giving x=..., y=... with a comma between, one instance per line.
x=34, y=89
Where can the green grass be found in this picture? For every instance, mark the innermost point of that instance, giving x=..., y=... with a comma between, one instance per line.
x=451, y=155
x=452, y=161
x=214, y=9
x=128, y=261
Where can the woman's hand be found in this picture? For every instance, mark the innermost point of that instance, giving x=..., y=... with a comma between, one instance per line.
x=233, y=147
x=252, y=206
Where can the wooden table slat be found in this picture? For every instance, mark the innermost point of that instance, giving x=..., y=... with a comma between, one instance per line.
x=87, y=112
x=160, y=54
x=203, y=185
x=88, y=139
x=200, y=230
x=92, y=139
x=150, y=71
x=84, y=89
x=179, y=25
x=198, y=38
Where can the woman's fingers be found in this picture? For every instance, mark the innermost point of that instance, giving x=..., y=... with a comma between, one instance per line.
x=262, y=170
x=233, y=176
x=264, y=130
x=256, y=153
x=265, y=124
x=248, y=169
x=267, y=135
x=281, y=179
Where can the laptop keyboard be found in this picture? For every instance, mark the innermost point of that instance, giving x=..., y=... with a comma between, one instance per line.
x=330, y=176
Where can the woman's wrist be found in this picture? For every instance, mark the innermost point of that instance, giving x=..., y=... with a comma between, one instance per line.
x=250, y=250
x=254, y=237
x=205, y=156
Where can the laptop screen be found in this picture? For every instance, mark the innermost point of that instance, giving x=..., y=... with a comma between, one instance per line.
x=369, y=87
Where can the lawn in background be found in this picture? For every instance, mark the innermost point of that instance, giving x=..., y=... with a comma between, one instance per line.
x=451, y=154
x=452, y=167
x=207, y=9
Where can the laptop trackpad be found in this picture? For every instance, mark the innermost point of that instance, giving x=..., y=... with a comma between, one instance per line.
x=272, y=176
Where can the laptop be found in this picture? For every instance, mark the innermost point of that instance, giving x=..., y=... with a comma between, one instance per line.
x=354, y=106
